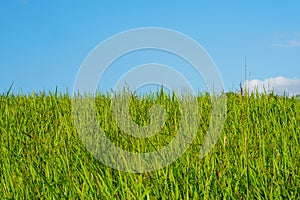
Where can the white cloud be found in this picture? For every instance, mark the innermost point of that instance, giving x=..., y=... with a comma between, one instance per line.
x=286, y=40
x=280, y=85
x=288, y=44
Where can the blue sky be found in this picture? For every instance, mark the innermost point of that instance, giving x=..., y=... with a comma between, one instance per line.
x=43, y=43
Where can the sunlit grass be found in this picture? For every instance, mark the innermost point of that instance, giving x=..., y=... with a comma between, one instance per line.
x=257, y=155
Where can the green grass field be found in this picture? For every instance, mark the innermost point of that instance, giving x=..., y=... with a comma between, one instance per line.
x=256, y=157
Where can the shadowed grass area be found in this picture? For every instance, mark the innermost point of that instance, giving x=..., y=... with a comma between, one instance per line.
x=256, y=157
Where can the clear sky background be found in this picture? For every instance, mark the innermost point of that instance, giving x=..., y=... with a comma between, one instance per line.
x=43, y=43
